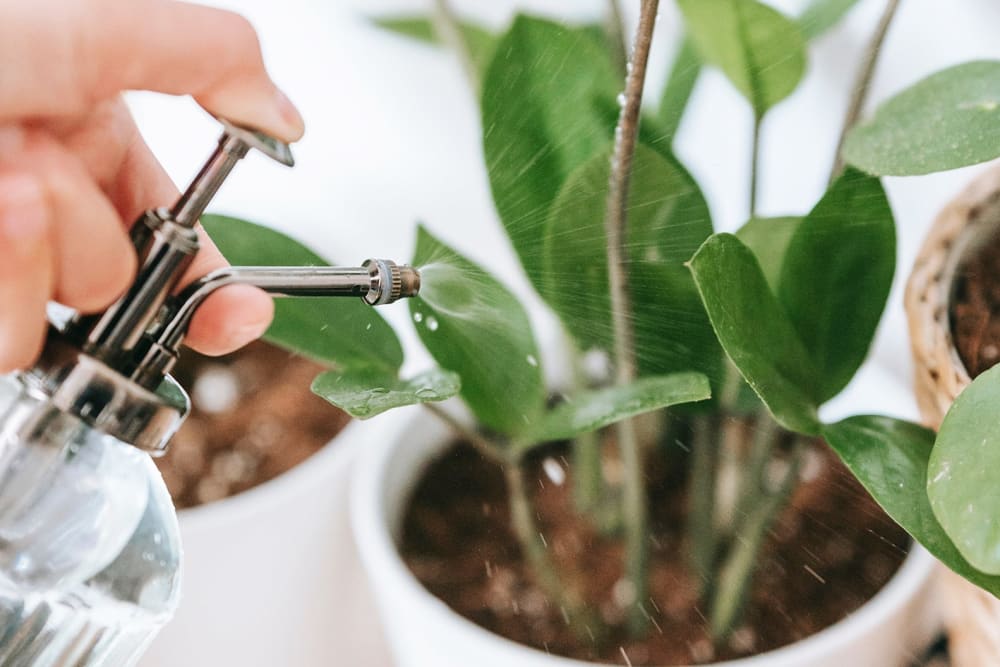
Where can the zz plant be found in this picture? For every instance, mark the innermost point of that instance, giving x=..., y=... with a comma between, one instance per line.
x=764, y=325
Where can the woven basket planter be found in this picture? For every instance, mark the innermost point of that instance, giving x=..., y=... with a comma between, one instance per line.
x=972, y=615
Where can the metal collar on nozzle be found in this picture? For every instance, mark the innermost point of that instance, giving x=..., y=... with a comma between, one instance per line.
x=110, y=370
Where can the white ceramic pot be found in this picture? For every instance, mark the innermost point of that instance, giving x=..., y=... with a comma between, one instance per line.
x=888, y=631
x=271, y=576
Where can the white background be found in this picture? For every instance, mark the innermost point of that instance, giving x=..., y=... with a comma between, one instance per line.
x=393, y=136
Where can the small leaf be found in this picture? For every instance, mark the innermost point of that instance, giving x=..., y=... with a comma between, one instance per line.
x=541, y=121
x=340, y=332
x=668, y=220
x=964, y=473
x=836, y=276
x=821, y=15
x=680, y=84
x=481, y=42
x=950, y=119
x=768, y=238
x=363, y=395
x=761, y=51
x=472, y=325
x=755, y=332
x=890, y=459
x=590, y=410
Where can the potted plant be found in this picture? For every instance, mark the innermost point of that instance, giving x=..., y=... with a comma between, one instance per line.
x=755, y=308
x=950, y=119
x=260, y=472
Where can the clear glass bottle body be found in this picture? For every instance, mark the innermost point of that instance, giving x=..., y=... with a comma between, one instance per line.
x=89, y=544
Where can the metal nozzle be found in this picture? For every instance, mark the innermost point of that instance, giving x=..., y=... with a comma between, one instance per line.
x=390, y=282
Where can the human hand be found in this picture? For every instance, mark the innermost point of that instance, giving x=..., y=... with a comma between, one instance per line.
x=74, y=171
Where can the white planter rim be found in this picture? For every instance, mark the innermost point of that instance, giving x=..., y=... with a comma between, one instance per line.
x=369, y=518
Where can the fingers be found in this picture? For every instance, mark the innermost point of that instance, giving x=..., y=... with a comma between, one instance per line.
x=96, y=48
x=25, y=270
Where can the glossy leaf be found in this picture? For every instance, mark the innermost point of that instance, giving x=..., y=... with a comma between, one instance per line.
x=336, y=331
x=680, y=84
x=668, y=220
x=542, y=119
x=963, y=479
x=755, y=331
x=950, y=119
x=480, y=42
x=472, y=325
x=590, y=410
x=364, y=395
x=768, y=238
x=836, y=276
x=890, y=459
x=821, y=15
x=760, y=51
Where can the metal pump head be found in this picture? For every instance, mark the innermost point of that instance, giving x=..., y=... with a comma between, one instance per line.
x=110, y=370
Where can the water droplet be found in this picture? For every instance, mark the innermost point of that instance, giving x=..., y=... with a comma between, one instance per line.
x=554, y=471
x=427, y=393
x=418, y=317
x=368, y=327
x=623, y=593
x=432, y=323
x=621, y=99
x=532, y=361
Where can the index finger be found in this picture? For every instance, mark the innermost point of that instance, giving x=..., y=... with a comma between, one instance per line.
x=98, y=48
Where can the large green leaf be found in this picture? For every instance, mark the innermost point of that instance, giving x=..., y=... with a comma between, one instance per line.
x=963, y=479
x=836, y=276
x=890, y=458
x=590, y=410
x=472, y=325
x=761, y=51
x=821, y=15
x=755, y=331
x=680, y=84
x=768, y=238
x=366, y=394
x=541, y=119
x=950, y=119
x=668, y=220
x=339, y=332
x=480, y=42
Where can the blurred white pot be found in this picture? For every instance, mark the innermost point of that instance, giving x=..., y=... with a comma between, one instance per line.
x=888, y=631
x=271, y=576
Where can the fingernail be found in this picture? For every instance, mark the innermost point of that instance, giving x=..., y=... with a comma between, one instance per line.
x=23, y=213
x=289, y=114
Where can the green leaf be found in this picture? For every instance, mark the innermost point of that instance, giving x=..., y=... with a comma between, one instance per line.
x=540, y=121
x=890, y=458
x=836, y=276
x=761, y=51
x=340, y=332
x=964, y=472
x=472, y=325
x=365, y=395
x=680, y=84
x=768, y=238
x=590, y=410
x=950, y=119
x=821, y=15
x=481, y=42
x=668, y=220
x=755, y=331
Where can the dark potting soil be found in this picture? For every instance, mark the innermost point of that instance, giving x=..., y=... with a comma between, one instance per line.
x=253, y=417
x=829, y=552
x=976, y=309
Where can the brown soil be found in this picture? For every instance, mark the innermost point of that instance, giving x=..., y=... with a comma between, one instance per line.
x=830, y=551
x=976, y=309
x=253, y=417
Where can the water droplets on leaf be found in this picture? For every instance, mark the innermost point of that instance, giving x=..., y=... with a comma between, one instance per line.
x=432, y=323
x=531, y=360
x=418, y=317
x=554, y=471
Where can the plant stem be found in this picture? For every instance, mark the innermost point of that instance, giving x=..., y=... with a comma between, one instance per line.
x=755, y=164
x=449, y=31
x=701, y=526
x=614, y=29
x=485, y=447
x=616, y=226
x=584, y=622
x=862, y=83
x=588, y=481
x=737, y=569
